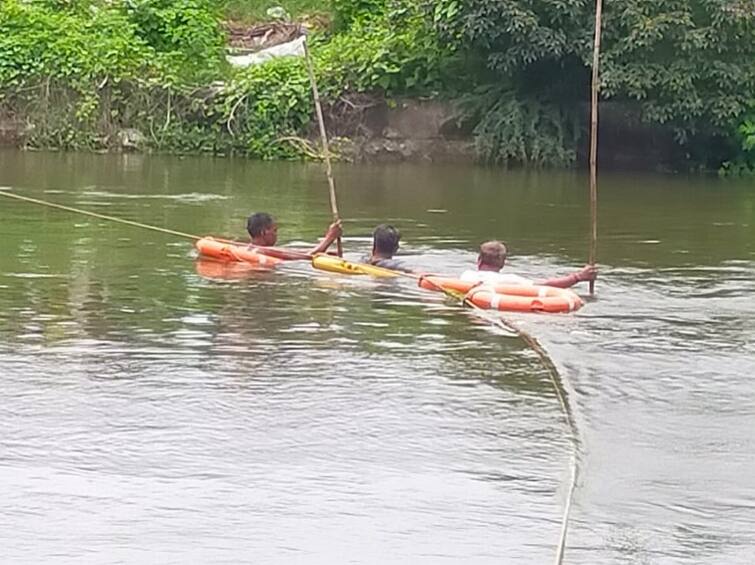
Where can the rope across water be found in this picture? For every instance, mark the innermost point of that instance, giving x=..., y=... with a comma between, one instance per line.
x=98, y=216
x=272, y=251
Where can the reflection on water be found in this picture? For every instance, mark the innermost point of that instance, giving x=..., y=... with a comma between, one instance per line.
x=160, y=409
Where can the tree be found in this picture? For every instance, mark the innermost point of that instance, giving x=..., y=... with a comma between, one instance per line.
x=689, y=64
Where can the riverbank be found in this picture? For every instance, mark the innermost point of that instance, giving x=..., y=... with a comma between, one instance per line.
x=380, y=130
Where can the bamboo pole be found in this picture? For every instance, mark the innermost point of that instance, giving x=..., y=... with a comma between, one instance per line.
x=324, y=139
x=594, y=139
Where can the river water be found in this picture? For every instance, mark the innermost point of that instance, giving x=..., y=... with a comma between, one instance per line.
x=155, y=409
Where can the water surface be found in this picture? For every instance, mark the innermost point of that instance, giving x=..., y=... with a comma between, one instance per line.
x=156, y=409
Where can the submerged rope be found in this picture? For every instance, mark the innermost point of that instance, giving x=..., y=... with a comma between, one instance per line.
x=555, y=379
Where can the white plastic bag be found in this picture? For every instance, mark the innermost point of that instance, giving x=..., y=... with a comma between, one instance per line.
x=293, y=48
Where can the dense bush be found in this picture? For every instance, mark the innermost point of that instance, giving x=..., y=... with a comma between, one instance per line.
x=390, y=53
x=347, y=12
x=520, y=131
x=393, y=51
x=186, y=33
x=95, y=43
x=141, y=64
x=55, y=81
x=688, y=64
x=744, y=162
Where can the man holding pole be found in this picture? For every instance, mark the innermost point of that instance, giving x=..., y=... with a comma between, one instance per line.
x=263, y=231
x=492, y=258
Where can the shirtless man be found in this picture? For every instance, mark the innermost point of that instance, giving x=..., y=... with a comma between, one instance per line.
x=263, y=231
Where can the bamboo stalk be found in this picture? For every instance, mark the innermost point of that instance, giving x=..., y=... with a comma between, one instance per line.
x=324, y=139
x=594, y=140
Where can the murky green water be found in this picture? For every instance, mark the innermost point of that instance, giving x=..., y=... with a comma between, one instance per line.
x=152, y=414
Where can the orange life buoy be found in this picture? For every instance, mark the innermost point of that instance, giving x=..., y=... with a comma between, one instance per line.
x=516, y=298
x=438, y=283
x=564, y=301
x=210, y=247
x=210, y=268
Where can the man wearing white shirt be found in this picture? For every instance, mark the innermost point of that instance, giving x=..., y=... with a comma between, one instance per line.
x=492, y=258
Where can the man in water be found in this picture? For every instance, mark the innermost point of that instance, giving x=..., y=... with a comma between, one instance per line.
x=385, y=241
x=263, y=231
x=492, y=258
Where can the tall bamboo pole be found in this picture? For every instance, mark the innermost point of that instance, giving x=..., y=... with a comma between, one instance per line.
x=594, y=139
x=324, y=140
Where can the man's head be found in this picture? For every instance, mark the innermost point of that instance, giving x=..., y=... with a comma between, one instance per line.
x=385, y=240
x=262, y=229
x=492, y=256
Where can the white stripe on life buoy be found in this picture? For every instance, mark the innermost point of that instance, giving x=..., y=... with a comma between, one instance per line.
x=495, y=300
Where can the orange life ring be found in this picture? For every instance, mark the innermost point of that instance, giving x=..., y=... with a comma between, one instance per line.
x=515, y=298
x=438, y=283
x=564, y=301
x=210, y=268
x=210, y=247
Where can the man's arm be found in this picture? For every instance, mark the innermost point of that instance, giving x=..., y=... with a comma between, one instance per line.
x=281, y=253
x=334, y=232
x=587, y=273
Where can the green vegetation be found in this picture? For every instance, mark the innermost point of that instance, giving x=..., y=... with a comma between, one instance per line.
x=113, y=67
x=256, y=10
x=684, y=64
x=519, y=71
x=744, y=162
x=157, y=66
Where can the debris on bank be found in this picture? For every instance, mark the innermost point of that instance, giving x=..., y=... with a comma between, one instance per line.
x=256, y=43
x=294, y=48
x=252, y=38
